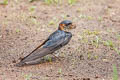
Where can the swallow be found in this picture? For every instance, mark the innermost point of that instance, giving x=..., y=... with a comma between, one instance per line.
x=55, y=41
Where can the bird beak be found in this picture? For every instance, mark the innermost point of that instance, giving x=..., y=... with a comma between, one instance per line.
x=72, y=26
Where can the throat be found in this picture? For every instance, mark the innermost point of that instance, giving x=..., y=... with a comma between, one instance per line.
x=61, y=28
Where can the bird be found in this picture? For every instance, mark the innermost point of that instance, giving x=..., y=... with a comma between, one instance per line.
x=55, y=41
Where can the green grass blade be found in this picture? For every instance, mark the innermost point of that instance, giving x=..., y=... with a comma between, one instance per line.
x=115, y=73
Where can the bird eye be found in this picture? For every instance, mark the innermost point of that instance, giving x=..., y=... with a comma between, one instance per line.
x=68, y=24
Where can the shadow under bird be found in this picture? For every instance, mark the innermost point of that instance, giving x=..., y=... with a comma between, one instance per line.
x=55, y=41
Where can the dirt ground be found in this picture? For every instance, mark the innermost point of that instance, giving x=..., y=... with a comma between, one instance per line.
x=90, y=55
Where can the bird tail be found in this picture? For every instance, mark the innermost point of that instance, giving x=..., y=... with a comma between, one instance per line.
x=34, y=57
x=20, y=64
x=23, y=63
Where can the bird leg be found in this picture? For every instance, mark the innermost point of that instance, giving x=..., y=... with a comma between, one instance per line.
x=56, y=57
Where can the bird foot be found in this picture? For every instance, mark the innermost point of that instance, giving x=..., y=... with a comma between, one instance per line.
x=56, y=57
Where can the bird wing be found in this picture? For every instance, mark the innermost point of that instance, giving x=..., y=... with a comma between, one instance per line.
x=53, y=43
x=35, y=54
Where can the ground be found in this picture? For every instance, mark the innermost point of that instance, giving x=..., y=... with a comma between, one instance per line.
x=91, y=54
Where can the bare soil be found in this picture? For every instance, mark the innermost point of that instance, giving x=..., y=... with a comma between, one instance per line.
x=90, y=55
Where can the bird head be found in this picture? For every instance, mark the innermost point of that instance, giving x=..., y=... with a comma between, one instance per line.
x=66, y=25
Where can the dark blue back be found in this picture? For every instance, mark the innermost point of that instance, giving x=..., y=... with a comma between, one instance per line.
x=58, y=39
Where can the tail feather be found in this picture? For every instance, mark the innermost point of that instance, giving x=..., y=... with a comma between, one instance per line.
x=34, y=57
x=20, y=64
